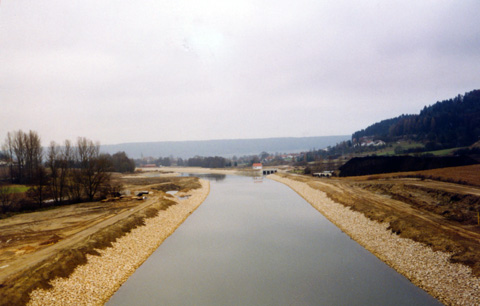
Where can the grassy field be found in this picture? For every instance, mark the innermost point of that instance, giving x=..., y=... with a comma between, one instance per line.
x=390, y=149
x=17, y=188
x=444, y=152
x=404, y=145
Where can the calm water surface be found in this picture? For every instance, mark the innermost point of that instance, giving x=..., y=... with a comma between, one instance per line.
x=256, y=242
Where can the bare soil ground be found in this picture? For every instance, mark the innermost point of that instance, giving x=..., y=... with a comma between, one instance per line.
x=465, y=175
x=36, y=247
x=439, y=214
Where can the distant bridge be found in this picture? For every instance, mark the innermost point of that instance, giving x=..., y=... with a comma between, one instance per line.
x=269, y=171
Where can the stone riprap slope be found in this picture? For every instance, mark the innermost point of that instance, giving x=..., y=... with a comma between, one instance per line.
x=95, y=282
x=452, y=284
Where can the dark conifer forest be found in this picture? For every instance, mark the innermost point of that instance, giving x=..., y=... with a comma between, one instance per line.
x=446, y=124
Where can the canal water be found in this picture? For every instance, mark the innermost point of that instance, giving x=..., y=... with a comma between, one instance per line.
x=256, y=242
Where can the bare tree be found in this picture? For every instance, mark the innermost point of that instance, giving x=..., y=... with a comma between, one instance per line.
x=19, y=149
x=7, y=148
x=112, y=190
x=121, y=163
x=26, y=151
x=74, y=185
x=39, y=191
x=66, y=163
x=93, y=167
x=5, y=197
x=53, y=163
x=34, y=155
x=60, y=161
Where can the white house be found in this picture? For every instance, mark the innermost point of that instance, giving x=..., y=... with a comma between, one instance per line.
x=257, y=166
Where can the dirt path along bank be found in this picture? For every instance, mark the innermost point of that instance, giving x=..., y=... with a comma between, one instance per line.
x=452, y=284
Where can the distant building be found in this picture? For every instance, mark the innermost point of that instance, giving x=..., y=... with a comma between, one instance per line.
x=257, y=166
x=369, y=142
x=149, y=165
x=323, y=174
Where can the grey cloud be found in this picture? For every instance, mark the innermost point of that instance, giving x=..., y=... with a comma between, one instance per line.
x=119, y=71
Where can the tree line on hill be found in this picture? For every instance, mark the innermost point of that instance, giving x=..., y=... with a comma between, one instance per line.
x=446, y=124
x=70, y=173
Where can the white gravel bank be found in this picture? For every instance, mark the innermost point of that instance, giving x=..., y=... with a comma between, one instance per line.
x=452, y=284
x=95, y=282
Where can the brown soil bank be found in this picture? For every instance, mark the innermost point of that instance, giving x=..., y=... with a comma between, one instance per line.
x=465, y=175
x=41, y=246
x=384, y=164
x=420, y=210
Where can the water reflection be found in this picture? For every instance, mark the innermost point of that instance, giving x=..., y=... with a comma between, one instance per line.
x=174, y=193
x=258, y=179
x=208, y=176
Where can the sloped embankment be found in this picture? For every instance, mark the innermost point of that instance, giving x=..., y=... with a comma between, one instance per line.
x=453, y=206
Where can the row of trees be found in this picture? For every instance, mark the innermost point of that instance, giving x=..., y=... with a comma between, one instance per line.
x=215, y=161
x=207, y=162
x=26, y=150
x=65, y=173
x=211, y=161
x=80, y=170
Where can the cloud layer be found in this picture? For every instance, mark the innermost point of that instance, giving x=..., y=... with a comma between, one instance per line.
x=126, y=71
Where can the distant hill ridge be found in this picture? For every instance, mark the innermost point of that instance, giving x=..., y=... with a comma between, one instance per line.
x=450, y=123
x=224, y=148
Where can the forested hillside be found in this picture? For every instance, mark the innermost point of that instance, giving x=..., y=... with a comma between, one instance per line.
x=449, y=123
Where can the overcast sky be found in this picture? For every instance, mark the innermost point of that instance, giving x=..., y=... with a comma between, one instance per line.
x=133, y=71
